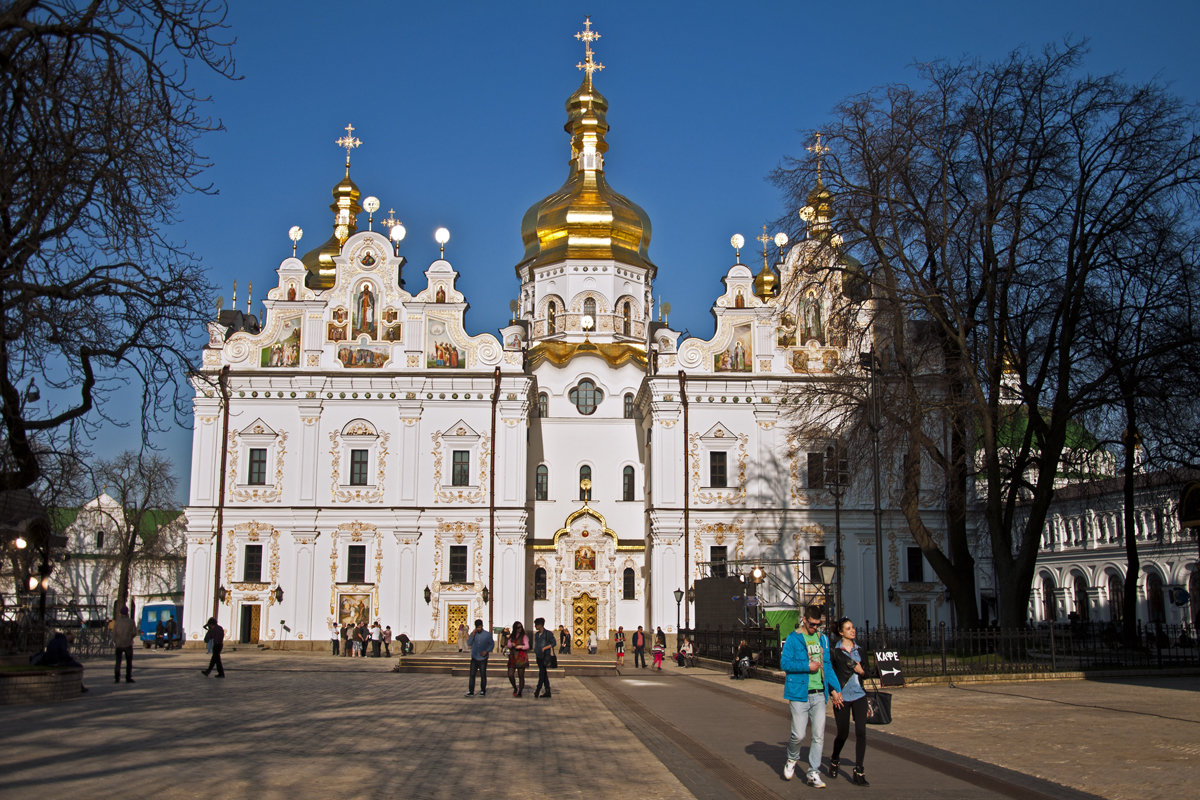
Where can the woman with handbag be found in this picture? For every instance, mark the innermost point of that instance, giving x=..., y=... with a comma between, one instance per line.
x=518, y=657
x=847, y=665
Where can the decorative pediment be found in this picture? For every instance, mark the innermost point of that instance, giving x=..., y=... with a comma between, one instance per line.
x=359, y=427
x=460, y=432
x=257, y=430
x=718, y=434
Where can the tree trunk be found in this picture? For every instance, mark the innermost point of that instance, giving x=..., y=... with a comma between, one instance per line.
x=1132, y=562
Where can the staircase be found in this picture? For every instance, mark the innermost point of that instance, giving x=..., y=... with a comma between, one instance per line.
x=444, y=659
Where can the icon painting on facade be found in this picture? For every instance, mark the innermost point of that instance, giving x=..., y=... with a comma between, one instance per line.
x=285, y=351
x=738, y=356
x=439, y=350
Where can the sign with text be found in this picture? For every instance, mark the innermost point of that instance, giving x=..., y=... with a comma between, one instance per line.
x=888, y=664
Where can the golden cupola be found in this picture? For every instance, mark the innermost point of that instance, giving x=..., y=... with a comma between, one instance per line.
x=586, y=218
x=345, y=207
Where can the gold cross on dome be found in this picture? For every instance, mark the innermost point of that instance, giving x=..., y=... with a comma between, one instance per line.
x=819, y=150
x=349, y=142
x=587, y=36
x=764, y=239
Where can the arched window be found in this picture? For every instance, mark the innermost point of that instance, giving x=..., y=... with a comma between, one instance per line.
x=629, y=405
x=1116, y=597
x=589, y=308
x=627, y=483
x=1049, y=607
x=585, y=474
x=627, y=319
x=1156, y=608
x=627, y=586
x=551, y=317
x=543, y=406
x=539, y=583
x=1082, y=607
x=542, y=483
x=586, y=397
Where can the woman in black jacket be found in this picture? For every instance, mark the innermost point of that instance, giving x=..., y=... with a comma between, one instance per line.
x=847, y=662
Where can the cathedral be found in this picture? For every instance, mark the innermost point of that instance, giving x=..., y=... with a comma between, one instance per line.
x=358, y=454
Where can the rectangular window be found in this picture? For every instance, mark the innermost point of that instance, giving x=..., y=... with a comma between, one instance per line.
x=356, y=563
x=541, y=484
x=99, y=539
x=717, y=555
x=257, y=476
x=458, y=563
x=461, y=470
x=916, y=565
x=627, y=484
x=628, y=589
x=816, y=470
x=717, y=475
x=816, y=554
x=358, y=467
x=252, y=564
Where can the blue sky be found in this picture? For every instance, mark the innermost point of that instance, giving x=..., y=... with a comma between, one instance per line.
x=459, y=106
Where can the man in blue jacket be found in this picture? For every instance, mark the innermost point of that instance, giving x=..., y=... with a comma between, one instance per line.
x=809, y=681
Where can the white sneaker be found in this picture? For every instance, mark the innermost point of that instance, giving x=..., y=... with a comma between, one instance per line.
x=814, y=780
x=789, y=770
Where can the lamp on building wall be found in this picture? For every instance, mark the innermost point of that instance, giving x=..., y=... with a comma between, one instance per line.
x=757, y=574
x=691, y=594
x=428, y=595
x=486, y=595
x=278, y=594
x=222, y=593
x=891, y=594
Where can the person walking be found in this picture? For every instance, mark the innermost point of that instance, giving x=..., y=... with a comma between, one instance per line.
x=543, y=645
x=387, y=641
x=848, y=664
x=462, y=637
x=376, y=640
x=619, y=642
x=593, y=643
x=482, y=644
x=808, y=681
x=216, y=634
x=639, y=647
x=518, y=657
x=659, y=647
x=123, y=631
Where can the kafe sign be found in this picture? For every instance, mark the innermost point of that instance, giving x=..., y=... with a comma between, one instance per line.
x=888, y=664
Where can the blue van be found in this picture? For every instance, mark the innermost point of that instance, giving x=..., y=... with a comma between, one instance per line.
x=152, y=614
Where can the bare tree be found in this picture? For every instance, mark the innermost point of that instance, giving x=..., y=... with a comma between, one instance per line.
x=144, y=487
x=984, y=205
x=98, y=128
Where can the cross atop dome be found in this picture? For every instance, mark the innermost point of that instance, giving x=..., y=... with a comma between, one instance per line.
x=587, y=36
x=349, y=142
x=818, y=150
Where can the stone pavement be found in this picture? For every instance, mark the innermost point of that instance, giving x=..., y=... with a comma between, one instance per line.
x=306, y=725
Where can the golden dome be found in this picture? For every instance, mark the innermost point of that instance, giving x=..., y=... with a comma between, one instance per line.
x=766, y=284
x=319, y=261
x=585, y=218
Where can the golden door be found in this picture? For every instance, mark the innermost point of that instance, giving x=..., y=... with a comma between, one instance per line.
x=583, y=620
x=455, y=616
x=251, y=620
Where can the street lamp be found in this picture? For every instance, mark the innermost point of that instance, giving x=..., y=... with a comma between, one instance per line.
x=870, y=362
x=827, y=571
x=486, y=594
x=678, y=599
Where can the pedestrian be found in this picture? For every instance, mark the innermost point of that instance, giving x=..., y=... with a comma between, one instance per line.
x=619, y=642
x=482, y=644
x=172, y=633
x=160, y=635
x=216, y=634
x=376, y=640
x=518, y=657
x=593, y=643
x=344, y=636
x=564, y=639
x=123, y=631
x=687, y=653
x=848, y=664
x=504, y=634
x=406, y=646
x=361, y=636
x=639, y=647
x=808, y=682
x=659, y=647
x=543, y=644
x=462, y=637
x=387, y=641
x=335, y=635
x=743, y=659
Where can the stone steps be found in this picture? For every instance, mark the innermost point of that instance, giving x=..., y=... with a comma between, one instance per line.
x=459, y=664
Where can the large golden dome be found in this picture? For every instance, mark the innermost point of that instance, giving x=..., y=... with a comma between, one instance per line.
x=585, y=218
x=319, y=261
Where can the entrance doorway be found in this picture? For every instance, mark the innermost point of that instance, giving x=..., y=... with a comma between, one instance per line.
x=455, y=615
x=251, y=617
x=918, y=618
x=583, y=619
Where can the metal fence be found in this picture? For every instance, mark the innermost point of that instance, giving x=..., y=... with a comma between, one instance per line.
x=722, y=644
x=1082, y=646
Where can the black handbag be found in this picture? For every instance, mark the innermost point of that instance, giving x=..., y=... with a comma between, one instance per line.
x=551, y=660
x=879, y=707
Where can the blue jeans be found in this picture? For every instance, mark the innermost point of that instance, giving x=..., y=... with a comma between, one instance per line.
x=808, y=713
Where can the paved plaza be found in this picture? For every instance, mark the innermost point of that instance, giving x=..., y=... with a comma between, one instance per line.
x=285, y=725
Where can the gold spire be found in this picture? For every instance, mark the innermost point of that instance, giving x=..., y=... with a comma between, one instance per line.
x=820, y=199
x=345, y=208
x=765, y=284
x=585, y=218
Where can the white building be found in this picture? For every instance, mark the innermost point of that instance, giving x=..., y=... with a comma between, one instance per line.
x=375, y=459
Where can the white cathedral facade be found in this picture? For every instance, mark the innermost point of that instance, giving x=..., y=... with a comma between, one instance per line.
x=359, y=454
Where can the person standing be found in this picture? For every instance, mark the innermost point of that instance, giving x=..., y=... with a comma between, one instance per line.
x=518, y=657
x=462, y=637
x=482, y=644
x=123, y=631
x=809, y=680
x=848, y=664
x=335, y=635
x=543, y=645
x=593, y=643
x=172, y=633
x=216, y=634
x=376, y=640
x=564, y=639
x=639, y=647
x=660, y=647
x=619, y=642
x=387, y=641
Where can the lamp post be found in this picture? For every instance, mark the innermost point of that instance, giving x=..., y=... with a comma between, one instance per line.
x=870, y=362
x=827, y=572
x=836, y=477
x=678, y=599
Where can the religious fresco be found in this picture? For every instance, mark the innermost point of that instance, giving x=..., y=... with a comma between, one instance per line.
x=363, y=320
x=812, y=325
x=354, y=607
x=285, y=351
x=585, y=558
x=440, y=352
x=363, y=355
x=738, y=357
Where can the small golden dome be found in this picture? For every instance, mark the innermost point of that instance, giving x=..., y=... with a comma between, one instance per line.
x=766, y=284
x=319, y=261
x=586, y=218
